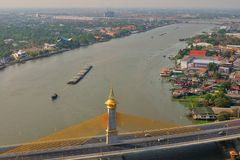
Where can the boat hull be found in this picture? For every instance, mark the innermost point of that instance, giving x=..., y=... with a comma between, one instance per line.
x=79, y=77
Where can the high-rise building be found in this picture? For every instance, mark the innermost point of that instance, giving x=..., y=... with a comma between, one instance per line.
x=109, y=14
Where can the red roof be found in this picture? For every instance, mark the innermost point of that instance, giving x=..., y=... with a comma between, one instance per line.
x=197, y=53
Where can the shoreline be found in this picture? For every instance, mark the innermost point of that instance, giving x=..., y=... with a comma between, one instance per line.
x=49, y=54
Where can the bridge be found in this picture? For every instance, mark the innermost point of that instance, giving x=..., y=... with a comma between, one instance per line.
x=117, y=144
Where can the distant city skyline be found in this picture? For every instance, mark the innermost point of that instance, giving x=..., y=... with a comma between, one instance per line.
x=120, y=4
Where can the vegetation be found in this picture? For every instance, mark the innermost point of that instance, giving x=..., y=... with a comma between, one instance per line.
x=212, y=67
x=192, y=101
x=28, y=31
x=224, y=116
x=182, y=53
x=216, y=38
x=218, y=99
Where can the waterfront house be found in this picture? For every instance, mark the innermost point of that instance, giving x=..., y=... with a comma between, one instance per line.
x=203, y=44
x=203, y=113
x=64, y=41
x=20, y=55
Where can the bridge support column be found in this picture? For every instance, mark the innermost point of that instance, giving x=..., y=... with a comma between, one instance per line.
x=111, y=131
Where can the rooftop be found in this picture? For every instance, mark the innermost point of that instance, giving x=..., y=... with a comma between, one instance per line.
x=203, y=110
x=205, y=61
x=197, y=53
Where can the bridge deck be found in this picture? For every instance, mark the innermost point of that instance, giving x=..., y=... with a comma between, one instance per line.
x=129, y=142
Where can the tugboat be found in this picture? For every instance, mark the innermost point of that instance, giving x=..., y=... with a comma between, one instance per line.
x=54, y=96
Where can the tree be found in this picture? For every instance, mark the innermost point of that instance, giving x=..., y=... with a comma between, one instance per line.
x=222, y=31
x=222, y=102
x=216, y=75
x=226, y=85
x=212, y=67
x=222, y=116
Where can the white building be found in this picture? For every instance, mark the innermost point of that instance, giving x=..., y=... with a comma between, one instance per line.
x=185, y=61
x=49, y=46
x=237, y=35
x=203, y=44
x=224, y=70
x=20, y=55
x=203, y=63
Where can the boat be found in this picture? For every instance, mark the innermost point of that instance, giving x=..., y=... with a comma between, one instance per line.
x=54, y=96
x=79, y=76
x=164, y=56
x=165, y=72
x=183, y=39
x=177, y=72
x=162, y=34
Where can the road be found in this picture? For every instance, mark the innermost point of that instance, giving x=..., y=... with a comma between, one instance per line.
x=140, y=141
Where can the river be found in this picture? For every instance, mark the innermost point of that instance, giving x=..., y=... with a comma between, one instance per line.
x=130, y=64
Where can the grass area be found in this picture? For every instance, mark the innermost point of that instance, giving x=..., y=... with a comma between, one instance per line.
x=201, y=121
x=190, y=101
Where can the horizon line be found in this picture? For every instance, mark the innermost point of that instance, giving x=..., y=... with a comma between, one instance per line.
x=152, y=8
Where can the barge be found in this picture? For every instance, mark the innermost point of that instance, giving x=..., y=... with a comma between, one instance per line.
x=79, y=76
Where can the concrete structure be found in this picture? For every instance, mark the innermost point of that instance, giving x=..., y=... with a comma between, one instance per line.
x=203, y=63
x=111, y=132
x=192, y=61
x=185, y=61
x=132, y=143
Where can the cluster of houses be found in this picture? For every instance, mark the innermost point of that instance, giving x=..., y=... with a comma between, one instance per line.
x=191, y=76
x=114, y=32
x=24, y=55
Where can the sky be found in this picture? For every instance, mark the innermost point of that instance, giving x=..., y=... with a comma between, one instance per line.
x=120, y=3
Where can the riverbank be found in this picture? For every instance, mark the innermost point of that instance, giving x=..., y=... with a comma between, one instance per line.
x=51, y=53
x=205, y=76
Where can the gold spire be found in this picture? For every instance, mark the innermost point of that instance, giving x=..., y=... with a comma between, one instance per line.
x=111, y=93
x=111, y=103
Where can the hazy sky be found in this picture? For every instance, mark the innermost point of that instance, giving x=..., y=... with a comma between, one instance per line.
x=121, y=3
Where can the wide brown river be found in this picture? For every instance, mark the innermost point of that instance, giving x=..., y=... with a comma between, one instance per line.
x=130, y=64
